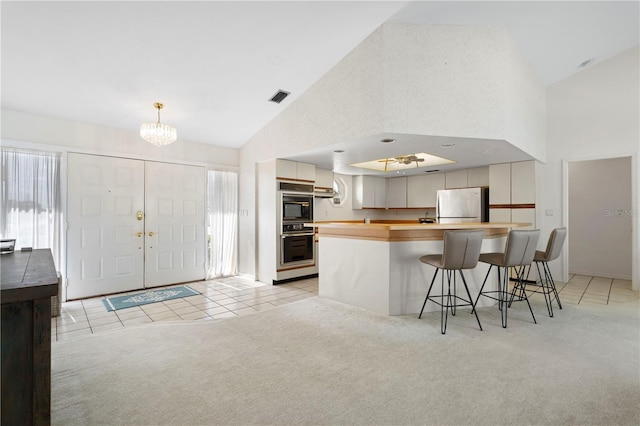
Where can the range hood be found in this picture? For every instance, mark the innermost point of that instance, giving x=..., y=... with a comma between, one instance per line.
x=322, y=192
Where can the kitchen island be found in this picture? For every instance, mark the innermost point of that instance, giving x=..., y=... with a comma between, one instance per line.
x=376, y=265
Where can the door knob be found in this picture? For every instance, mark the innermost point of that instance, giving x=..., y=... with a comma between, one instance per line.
x=139, y=234
x=139, y=215
x=151, y=234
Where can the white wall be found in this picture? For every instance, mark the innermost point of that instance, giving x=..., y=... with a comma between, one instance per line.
x=592, y=115
x=311, y=121
x=461, y=81
x=66, y=135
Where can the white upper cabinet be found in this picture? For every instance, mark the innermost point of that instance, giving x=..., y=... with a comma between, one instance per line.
x=286, y=169
x=397, y=193
x=369, y=192
x=500, y=183
x=324, y=178
x=455, y=179
x=478, y=177
x=422, y=190
x=523, y=178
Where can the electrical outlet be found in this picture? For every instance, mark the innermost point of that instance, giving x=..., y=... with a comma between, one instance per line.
x=548, y=212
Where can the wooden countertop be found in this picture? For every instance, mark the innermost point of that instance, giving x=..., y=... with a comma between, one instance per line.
x=408, y=231
x=28, y=275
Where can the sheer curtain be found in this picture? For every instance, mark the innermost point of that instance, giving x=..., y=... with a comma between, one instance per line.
x=223, y=223
x=30, y=210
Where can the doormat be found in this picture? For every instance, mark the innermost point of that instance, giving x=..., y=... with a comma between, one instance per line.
x=144, y=298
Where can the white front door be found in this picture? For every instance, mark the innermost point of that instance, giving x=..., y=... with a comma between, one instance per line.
x=175, y=236
x=105, y=240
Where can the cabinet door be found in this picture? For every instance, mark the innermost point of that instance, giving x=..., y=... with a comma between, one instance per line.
x=397, y=193
x=286, y=169
x=306, y=172
x=478, y=177
x=369, y=192
x=500, y=215
x=500, y=183
x=422, y=190
x=380, y=196
x=457, y=179
x=523, y=188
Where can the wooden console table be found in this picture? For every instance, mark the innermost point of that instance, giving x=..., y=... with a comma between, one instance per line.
x=28, y=281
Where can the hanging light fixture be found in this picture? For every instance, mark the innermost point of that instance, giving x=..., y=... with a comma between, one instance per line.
x=157, y=133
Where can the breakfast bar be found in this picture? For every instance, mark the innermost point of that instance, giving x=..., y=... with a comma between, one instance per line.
x=375, y=265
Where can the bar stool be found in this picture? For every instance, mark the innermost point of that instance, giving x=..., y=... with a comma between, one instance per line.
x=546, y=284
x=519, y=252
x=461, y=251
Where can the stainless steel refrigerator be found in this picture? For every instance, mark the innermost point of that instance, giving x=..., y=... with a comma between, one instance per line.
x=462, y=205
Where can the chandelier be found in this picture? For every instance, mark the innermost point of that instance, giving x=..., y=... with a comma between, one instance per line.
x=157, y=133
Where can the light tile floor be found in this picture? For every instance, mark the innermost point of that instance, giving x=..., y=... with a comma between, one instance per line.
x=582, y=289
x=219, y=298
x=227, y=297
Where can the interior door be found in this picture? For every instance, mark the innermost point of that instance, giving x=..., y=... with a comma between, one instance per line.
x=174, y=202
x=105, y=239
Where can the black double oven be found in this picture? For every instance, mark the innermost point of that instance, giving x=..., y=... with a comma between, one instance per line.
x=296, y=230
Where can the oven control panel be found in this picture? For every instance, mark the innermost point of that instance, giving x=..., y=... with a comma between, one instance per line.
x=295, y=228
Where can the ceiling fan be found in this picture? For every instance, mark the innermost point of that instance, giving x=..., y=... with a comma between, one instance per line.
x=402, y=159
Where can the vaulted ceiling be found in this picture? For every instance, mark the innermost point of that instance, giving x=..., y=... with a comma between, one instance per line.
x=215, y=64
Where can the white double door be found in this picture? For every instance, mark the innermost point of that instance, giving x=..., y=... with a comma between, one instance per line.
x=133, y=224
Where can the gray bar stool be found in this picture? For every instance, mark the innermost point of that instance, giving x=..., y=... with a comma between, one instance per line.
x=461, y=251
x=518, y=253
x=546, y=284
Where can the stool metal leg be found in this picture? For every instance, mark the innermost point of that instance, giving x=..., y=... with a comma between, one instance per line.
x=428, y=292
x=553, y=284
x=481, y=288
x=453, y=305
x=444, y=311
x=503, y=294
x=470, y=299
x=520, y=282
x=546, y=291
x=448, y=300
x=549, y=277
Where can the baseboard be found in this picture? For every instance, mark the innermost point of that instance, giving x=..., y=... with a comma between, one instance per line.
x=288, y=280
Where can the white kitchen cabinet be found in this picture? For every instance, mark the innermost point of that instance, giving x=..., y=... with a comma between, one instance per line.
x=422, y=190
x=478, y=177
x=511, y=187
x=500, y=183
x=456, y=179
x=324, y=178
x=397, y=193
x=523, y=178
x=369, y=192
x=306, y=171
x=499, y=214
x=286, y=169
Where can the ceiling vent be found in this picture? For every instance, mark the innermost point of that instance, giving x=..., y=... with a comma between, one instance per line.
x=279, y=96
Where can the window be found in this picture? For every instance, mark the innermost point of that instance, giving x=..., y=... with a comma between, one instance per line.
x=223, y=223
x=339, y=192
x=30, y=210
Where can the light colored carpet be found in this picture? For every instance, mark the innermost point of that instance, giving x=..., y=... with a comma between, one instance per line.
x=320, y=362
